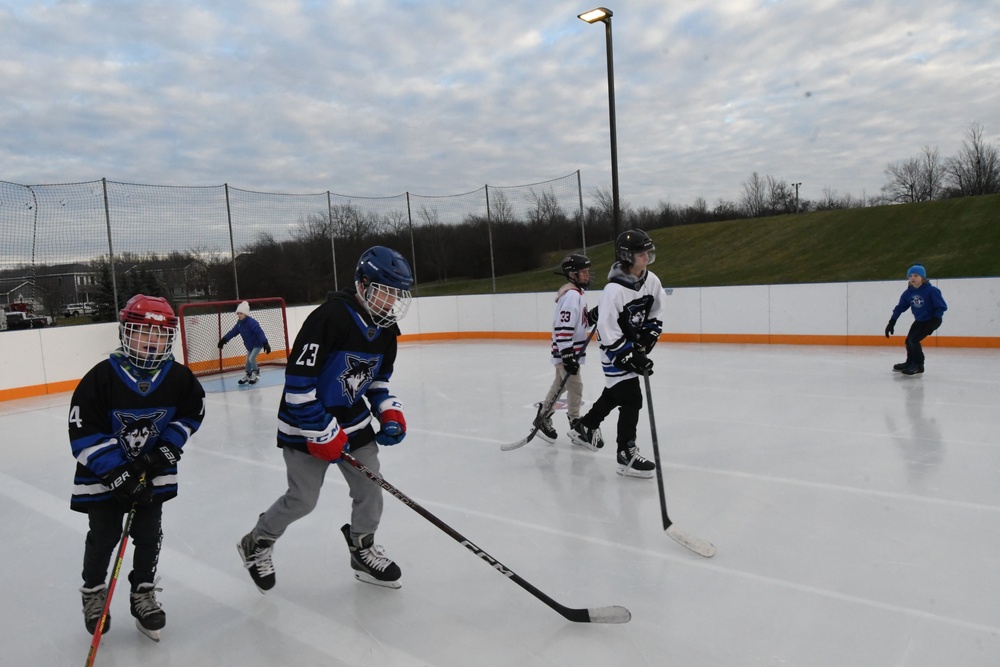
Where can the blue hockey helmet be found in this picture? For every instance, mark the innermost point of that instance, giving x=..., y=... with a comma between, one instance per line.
x=384, y=279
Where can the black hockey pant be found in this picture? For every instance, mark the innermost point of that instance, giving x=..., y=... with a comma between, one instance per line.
x=627, y=397
x=106, y=524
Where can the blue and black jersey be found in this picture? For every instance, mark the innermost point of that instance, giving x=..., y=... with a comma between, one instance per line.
x=119, y=413
x=339, y=368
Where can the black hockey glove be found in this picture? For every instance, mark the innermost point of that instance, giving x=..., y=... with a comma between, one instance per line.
x=160, y=457
x=569, y=361
x=129, y=486
x=592, y=316
x=635, y=361
x=267, y=348
x=647, y=339
x=890, y=328
x=222, y=344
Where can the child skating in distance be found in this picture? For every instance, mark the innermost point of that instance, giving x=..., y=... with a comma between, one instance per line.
x=254, y=340
x=928, y=308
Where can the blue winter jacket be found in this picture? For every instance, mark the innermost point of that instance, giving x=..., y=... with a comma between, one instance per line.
x=925, y=301
x=248, y=328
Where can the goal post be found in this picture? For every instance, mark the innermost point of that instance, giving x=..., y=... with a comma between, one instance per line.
x=203, y=324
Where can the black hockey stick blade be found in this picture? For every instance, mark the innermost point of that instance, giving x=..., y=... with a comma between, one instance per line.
x=686, y=540
x=612, y=614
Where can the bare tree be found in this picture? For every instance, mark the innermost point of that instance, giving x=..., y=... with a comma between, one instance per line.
x=753, y=201
x=915, y=179
x=501, y=210
x=976, y=168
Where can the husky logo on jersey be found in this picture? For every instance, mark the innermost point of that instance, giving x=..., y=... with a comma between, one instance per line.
x=634, y=315
x=917, y=301
x=357, y=376
x=137, y=430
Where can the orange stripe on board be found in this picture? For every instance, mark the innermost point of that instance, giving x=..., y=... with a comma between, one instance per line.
x=987, y=342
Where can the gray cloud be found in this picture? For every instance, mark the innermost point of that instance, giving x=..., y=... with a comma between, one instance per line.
x=380, y=97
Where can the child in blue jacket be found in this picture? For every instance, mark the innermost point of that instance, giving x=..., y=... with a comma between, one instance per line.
x=253, y=338
x=928, y=308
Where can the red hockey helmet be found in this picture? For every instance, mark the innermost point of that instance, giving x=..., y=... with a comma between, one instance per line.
x=147, y=330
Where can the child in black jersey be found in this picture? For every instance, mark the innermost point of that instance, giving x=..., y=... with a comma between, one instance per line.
x=129, y=420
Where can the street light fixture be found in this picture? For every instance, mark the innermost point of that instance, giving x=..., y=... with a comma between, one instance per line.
x=797, y=196
x=604, y=15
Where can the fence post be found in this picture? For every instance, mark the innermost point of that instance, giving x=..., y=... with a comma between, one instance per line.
x=489, y=231
x=413, y=245
x=232, y=246
x=333, y=247
x=583, y=225
x=111, y=250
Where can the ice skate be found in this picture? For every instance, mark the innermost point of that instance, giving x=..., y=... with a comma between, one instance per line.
x=899, y=367
x=913, y=369
x=244, y=379
x=631, y=464
x=545, y=428
x=254, y=376
x=149, y=616
x=93, y=606
x=256, y=555
x=585, y=437
x=369, y=561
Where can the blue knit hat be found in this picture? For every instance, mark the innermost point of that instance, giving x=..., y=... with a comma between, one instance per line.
x=917, y=269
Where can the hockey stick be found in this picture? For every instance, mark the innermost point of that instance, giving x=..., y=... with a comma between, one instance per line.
x=545, y=409
x=99, y=631
x=611, y=614
x=686, y=540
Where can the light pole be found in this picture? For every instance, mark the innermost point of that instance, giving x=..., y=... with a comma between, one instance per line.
x=604, y=15
x=797, y=196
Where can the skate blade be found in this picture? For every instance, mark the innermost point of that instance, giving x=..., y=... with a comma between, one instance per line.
x=152, y=634
x=625, y=471
x=583, y=443
x=368, y=579
x=546, y=438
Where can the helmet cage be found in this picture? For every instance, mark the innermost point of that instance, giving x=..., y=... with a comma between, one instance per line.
x=385, y=305
x=147, y=346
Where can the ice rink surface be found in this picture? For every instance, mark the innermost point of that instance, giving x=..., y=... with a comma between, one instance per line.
x=856, y=513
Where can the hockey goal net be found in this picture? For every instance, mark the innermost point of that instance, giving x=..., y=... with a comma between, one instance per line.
x=204, y=324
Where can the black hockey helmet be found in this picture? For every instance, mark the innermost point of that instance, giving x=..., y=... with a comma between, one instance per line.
x=574, y=263
x=630, y=242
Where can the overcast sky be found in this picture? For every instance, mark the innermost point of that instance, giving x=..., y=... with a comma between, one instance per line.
x=436, y=97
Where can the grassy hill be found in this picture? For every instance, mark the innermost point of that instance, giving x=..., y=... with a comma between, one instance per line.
x=955, y=238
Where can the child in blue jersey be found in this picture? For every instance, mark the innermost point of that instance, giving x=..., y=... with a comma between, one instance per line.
x=253, y=337
x=129, y=420
x=336, y=390
x=928, y=308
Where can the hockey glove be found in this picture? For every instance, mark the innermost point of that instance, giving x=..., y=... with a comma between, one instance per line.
x=222, y=344
x=267, y=348
x=647, y=339
x=635, y=361
x=569, y=361
x=160, y=457
x=325, y=442
x=592, y=316
x=129, y=486
x=890, y=328
x=393, y=428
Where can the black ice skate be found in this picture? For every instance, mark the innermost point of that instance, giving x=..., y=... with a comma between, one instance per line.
x=254, y=376
x=149, y=616
x=631, y=464
x=545, y=428
x=912, y=369
x=585, y=437
x=369, y=561
x=256, y=555
x=244, y=379
x=899, y=367
x=93, y=606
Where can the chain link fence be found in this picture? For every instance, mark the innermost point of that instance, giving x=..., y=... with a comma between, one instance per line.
x=99, y=242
